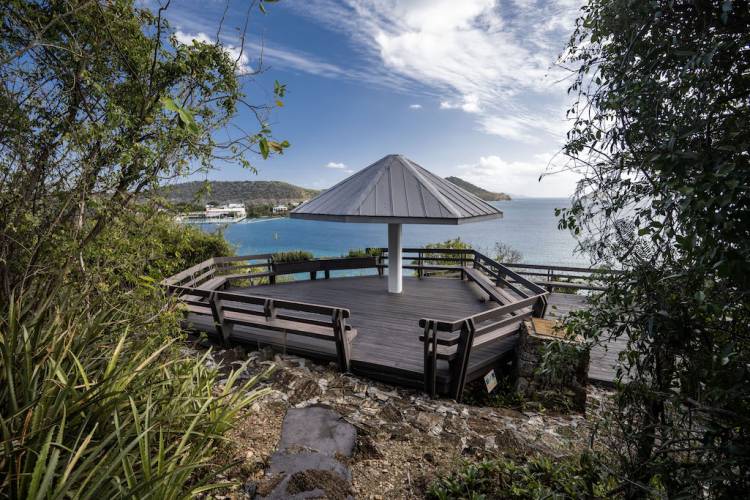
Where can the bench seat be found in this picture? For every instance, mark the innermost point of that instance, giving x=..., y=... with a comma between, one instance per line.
x=213, y=283
x=488, y=287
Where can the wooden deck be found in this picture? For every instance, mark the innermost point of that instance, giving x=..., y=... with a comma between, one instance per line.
x=387, y=345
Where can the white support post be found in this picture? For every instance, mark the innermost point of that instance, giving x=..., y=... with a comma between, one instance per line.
x=395, y=270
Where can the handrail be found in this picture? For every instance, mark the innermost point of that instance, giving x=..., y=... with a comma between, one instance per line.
x=551, y=277
x=563, y=268
x=489, y=315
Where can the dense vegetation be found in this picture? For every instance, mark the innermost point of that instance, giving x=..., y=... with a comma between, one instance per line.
x=661, y=138
x=478, y=191
x=249, y=192
x=533, y=479
x=100, y=103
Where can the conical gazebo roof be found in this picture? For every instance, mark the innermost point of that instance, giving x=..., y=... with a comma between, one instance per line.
x=395, y=190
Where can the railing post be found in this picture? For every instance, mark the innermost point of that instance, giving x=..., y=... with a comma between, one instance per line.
x=269, y=309
x=430, y=357
x=459, y=366
x=269, y=268
x=223, y=328
x=420, y=263
x=540, y=307
x=341, y=339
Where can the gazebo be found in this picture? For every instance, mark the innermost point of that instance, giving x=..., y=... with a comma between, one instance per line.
x=395, y=191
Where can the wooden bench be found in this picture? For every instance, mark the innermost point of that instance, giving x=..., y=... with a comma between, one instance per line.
x=475, y=276
x=213, y=283
x=453, y=341
x=228, y=310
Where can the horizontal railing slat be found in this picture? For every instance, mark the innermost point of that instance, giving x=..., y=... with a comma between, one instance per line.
x=562, y=268
x=223, y=260
x=187, y=273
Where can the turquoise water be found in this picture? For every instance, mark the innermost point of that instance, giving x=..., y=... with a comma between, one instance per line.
x=528, y=225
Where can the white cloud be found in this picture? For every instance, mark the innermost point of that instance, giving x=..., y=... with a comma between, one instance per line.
x=265, y=55
x=336, y=165
x=470, y=104
x=298, y=61
x=415, y=106
x=510, y=128
x=519, y=177
x=490, y=58
x=339, y=166
x=242, y=61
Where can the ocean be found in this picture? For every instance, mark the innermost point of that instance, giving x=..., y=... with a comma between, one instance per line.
x=529, y=225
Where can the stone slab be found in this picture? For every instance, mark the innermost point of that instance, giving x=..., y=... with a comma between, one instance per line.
x=310, y=460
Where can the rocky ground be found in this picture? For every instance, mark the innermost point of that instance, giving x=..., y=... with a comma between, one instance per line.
x=404, y=438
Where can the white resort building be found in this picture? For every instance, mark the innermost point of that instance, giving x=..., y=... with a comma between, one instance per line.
x=231, y=212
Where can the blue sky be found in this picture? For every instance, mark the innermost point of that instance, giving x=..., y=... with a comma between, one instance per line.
x=467, y=88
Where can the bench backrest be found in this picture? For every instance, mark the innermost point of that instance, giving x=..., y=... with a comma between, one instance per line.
x=228, y=310
x=453, y=341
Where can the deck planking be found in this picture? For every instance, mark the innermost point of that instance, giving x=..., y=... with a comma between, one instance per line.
x=387, y=345
x=388, y=324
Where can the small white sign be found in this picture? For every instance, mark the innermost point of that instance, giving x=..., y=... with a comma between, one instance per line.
x=490, y=381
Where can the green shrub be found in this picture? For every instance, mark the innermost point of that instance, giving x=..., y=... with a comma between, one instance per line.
x=438, y=259
x=364, y=252
x=503, y=396
x=146, y=244
x=573, y=478
x=91, y=408
x=292, y=256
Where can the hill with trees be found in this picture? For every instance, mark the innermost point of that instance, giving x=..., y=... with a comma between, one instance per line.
x=477, y=191
x=248, y=192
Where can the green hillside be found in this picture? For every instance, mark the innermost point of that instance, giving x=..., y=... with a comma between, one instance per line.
x=248, y=192
x=477, y=191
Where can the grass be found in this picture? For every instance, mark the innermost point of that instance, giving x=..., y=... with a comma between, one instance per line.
x=95, y=409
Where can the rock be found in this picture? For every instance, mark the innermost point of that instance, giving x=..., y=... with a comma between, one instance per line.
x=308, y=459
x=318, y=428
x=250, y=488
x=390, y=413
x=304, y=390
x=429, y=422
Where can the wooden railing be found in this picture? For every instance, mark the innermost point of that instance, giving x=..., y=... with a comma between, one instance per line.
x=227, y=310
x=453, y=341
x=564, y=277
x=425, y=261
x=520, y=290
x=217, y=272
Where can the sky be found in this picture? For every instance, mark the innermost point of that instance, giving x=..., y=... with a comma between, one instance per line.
x=468, y=88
